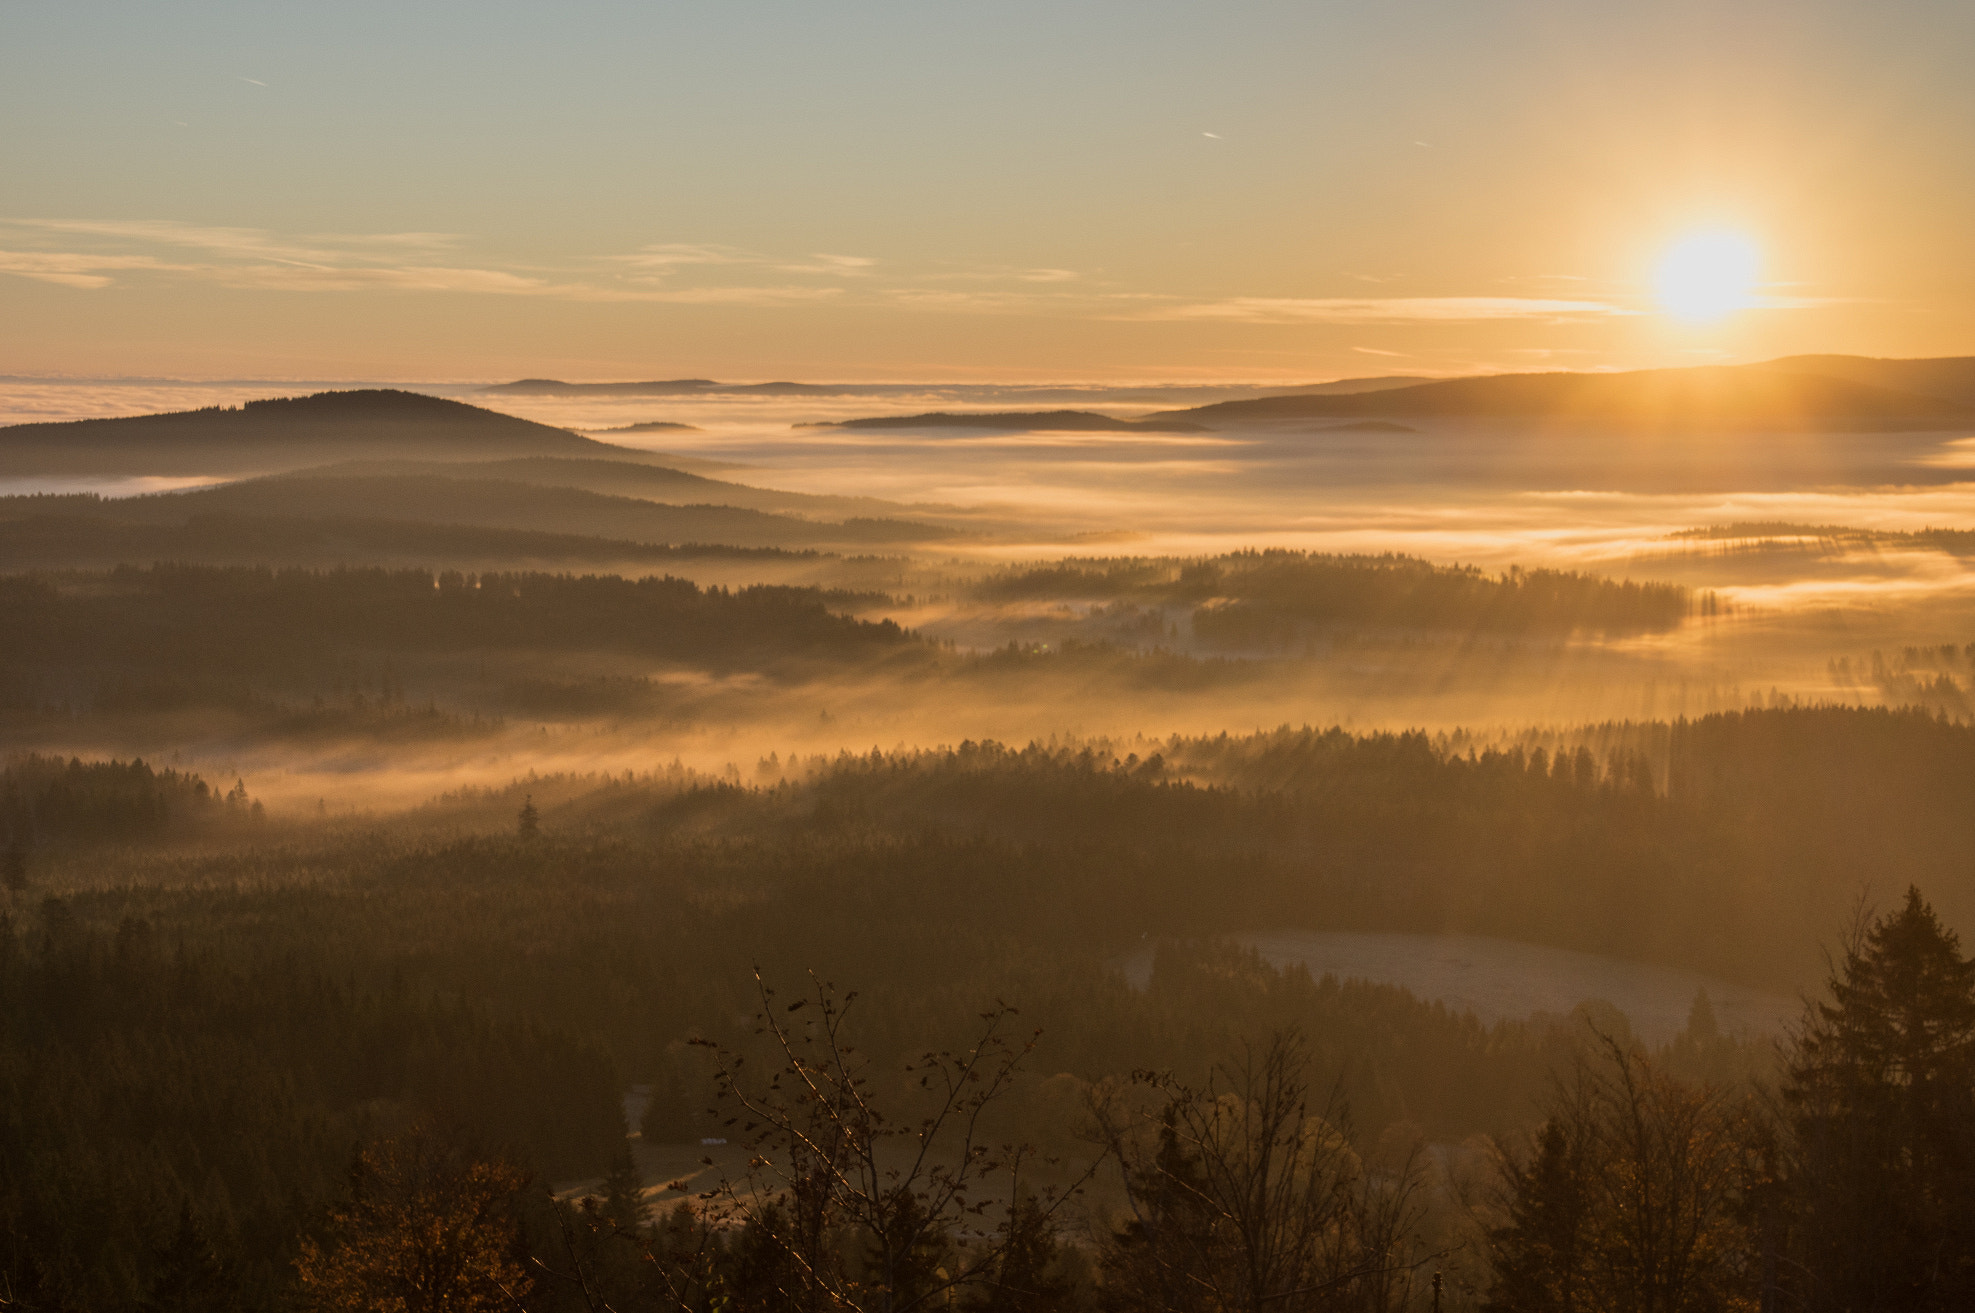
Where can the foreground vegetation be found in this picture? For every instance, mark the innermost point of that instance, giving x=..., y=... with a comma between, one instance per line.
x=205, y=1011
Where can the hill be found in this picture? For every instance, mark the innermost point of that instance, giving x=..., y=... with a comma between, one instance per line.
x=670, y=387
x=1021, y=421
x=286, y=433
x=84, y=530
x=616, y=478
x=508, y=504
x=1950, y=378
x=1705, y=398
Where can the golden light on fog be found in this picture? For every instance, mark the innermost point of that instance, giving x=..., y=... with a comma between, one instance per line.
x=1706, y=276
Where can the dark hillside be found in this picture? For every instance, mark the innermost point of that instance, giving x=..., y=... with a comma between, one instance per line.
x=1272, y=598
x=1950, y=378
x=504, y=504
x=286, y=433
x=619, y=478
x=260, y=621
x=84, y=530
x=1017, y=421
x=1752, y=398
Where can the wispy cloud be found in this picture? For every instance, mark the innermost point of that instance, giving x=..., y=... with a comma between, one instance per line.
x=95, y=253
x=668, y=258
x=238, y=243
x=72, y=269
x=1375, y=310
x=838, y=266
x=681, y=255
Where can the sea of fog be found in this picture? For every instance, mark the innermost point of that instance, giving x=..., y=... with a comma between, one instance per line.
x=1790, y=622
x=1490, y=495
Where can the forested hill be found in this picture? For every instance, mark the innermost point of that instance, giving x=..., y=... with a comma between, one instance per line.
x=1022, y=421
x=1951, y=378
x=1269, y=599
x=257, y=621
x=85, y=531
x=1747, y=397
x=431, y=498
x=286, y=433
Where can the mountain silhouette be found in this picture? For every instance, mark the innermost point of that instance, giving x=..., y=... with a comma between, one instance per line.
x=1703, y=398
x=1018, y=421
x=286, y=433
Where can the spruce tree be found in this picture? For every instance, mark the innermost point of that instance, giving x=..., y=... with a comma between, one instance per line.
x=1542, y=1255
x=1881, y=1094
x=624, y=1193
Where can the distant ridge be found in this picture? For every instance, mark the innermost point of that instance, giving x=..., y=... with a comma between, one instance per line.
x=673, y=387
x=1365, y=426
x=1744, y=397
x=493, y=503
x=286, y=433
x=649, y=426
x=687, y=387
x=1019, y=421
x=1951, y=378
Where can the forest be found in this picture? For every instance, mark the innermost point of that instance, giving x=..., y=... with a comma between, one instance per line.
x=209, y=1007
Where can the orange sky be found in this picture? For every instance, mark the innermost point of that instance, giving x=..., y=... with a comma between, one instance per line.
x=894, y=190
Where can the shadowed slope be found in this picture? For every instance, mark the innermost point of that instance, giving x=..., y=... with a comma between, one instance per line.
x=618, y=478
x=286, y=433
x=1950, y=378
x=1742, y=397
x=505, y=504
x=1019, y=421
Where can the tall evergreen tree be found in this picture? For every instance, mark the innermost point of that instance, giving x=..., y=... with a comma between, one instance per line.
x=624, y=1193
x=1542, y=1254
x=1882, y=1096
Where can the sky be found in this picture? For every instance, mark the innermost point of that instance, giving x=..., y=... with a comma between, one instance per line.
x=883, y=189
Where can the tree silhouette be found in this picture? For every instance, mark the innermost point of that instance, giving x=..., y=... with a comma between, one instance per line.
x=1882, y=1096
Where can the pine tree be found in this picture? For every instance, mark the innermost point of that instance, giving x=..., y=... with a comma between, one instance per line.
x=190, y=1275
x=624, y=1193
x=1028, y=1279
x=1882, y=1098
x=529, y=823
x=1541, y=1256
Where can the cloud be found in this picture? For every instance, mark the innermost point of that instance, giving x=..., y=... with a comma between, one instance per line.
x=317, y=248
x=675, y=255
x=258, y=260
x=1379, y=310
x=710, y=295
x=73, y=269
x=415, y=278
x=844, y=266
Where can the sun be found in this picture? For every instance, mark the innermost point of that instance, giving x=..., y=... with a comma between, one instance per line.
x=1707, y=276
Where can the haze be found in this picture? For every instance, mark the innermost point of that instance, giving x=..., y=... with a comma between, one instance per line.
x=1022, y=659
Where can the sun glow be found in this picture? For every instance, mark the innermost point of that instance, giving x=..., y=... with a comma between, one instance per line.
x=1707, y=276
